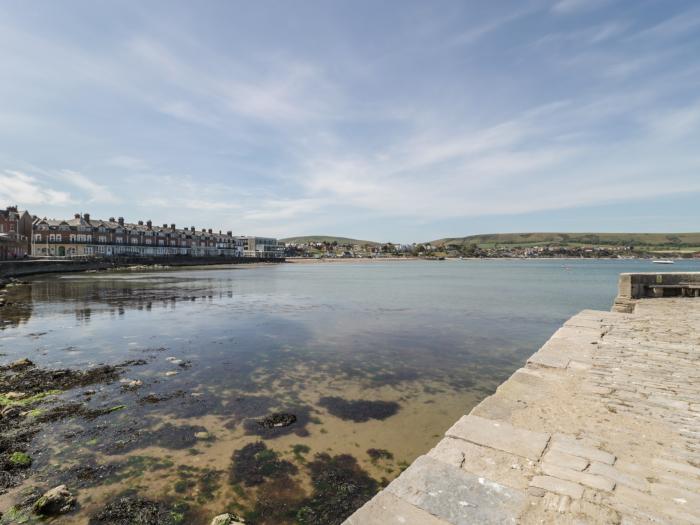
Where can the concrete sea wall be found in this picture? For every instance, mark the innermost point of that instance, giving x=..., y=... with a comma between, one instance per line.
x=601, y=425
x=37, y=266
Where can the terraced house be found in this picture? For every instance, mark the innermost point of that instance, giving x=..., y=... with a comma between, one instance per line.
x=15, y=233
x=82, y=236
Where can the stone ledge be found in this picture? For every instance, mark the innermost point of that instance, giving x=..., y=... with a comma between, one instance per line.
x=500, y=436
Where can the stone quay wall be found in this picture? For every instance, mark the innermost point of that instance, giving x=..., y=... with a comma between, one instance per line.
x=601, y=425
x=26, y=267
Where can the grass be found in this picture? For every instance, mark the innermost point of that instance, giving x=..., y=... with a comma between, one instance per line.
x=326, y=238
x=649, y=241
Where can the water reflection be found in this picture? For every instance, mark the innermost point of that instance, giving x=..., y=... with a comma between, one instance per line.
x=237, y=390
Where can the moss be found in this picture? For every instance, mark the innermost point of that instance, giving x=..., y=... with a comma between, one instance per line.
x=20, y=459
x=15, y=515
x=5, y=401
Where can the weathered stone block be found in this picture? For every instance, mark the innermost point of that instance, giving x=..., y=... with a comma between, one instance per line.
x=500, y=435
x=590, y=480
x=501, y=467
x=571, y=446
x=607, y=471
x=559, y=486
x=456, y=496
x=387, y=509
x=561, y=459
x=549, y=359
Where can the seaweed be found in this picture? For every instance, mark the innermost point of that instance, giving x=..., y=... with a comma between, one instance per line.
x=340, y=488
x=358, y=410
x=129, y=509
x=255, y=463
x=379, y=453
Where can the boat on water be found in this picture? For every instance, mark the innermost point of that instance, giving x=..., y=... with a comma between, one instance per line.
x=663, y=261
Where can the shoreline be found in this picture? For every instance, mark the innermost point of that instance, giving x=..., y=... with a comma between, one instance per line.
x=558, y=440
x=334, y=260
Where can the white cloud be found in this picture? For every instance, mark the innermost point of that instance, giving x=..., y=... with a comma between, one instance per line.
x=574, y=6
x=95, y=192
x=25, y=190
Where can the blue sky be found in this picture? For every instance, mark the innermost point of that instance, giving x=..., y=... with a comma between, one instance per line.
x=398, y=120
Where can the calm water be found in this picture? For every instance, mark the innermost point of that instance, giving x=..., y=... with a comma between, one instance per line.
x=227, y=347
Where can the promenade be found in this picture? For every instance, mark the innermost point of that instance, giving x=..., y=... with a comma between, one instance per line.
x=602, y=425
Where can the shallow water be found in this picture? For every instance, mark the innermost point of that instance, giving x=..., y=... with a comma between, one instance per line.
x=226, y=347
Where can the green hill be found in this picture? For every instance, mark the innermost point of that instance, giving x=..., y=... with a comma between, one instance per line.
x=651, y=240
x=326, y=238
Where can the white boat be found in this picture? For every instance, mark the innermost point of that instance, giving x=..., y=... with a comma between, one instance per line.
x=663, y=261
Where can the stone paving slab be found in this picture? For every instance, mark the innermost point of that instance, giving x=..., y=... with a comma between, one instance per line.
x=602, y=425
x=456, y=496
x=387, y=509
x=500, y=435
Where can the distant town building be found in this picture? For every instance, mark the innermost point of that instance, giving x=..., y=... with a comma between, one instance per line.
x=83, y=236
x=15, y=233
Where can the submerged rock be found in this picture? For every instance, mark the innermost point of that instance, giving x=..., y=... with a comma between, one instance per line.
x=58, y=500
x=292, y=420
x=20, y=363
x=226, y=519
x=277, y=420
x=175, y=437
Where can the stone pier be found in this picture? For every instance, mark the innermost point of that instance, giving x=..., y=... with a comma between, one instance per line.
x=602, y=425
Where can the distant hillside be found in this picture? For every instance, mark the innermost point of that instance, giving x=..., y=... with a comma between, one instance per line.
x=577, y=239
x=325, y=238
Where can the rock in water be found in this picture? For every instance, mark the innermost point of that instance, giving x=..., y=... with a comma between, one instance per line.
x=278, y=420
x=226, y=519
x=58, y=500
x=20, y=363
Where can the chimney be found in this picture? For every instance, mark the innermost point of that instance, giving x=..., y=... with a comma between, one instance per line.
x=165, y=226
x=192, y=228
x=121, y=221
x=111, y=219
x=229, y=234
x=86, y=216
x=209, y=230
x=204, y=230
x=140, y=223
x=77, y=216
x=149, y=223
x=172, y=226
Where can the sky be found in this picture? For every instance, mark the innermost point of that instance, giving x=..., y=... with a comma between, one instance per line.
x=393, y=121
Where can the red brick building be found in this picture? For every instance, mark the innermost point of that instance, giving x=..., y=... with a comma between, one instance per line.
x=15, y=233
